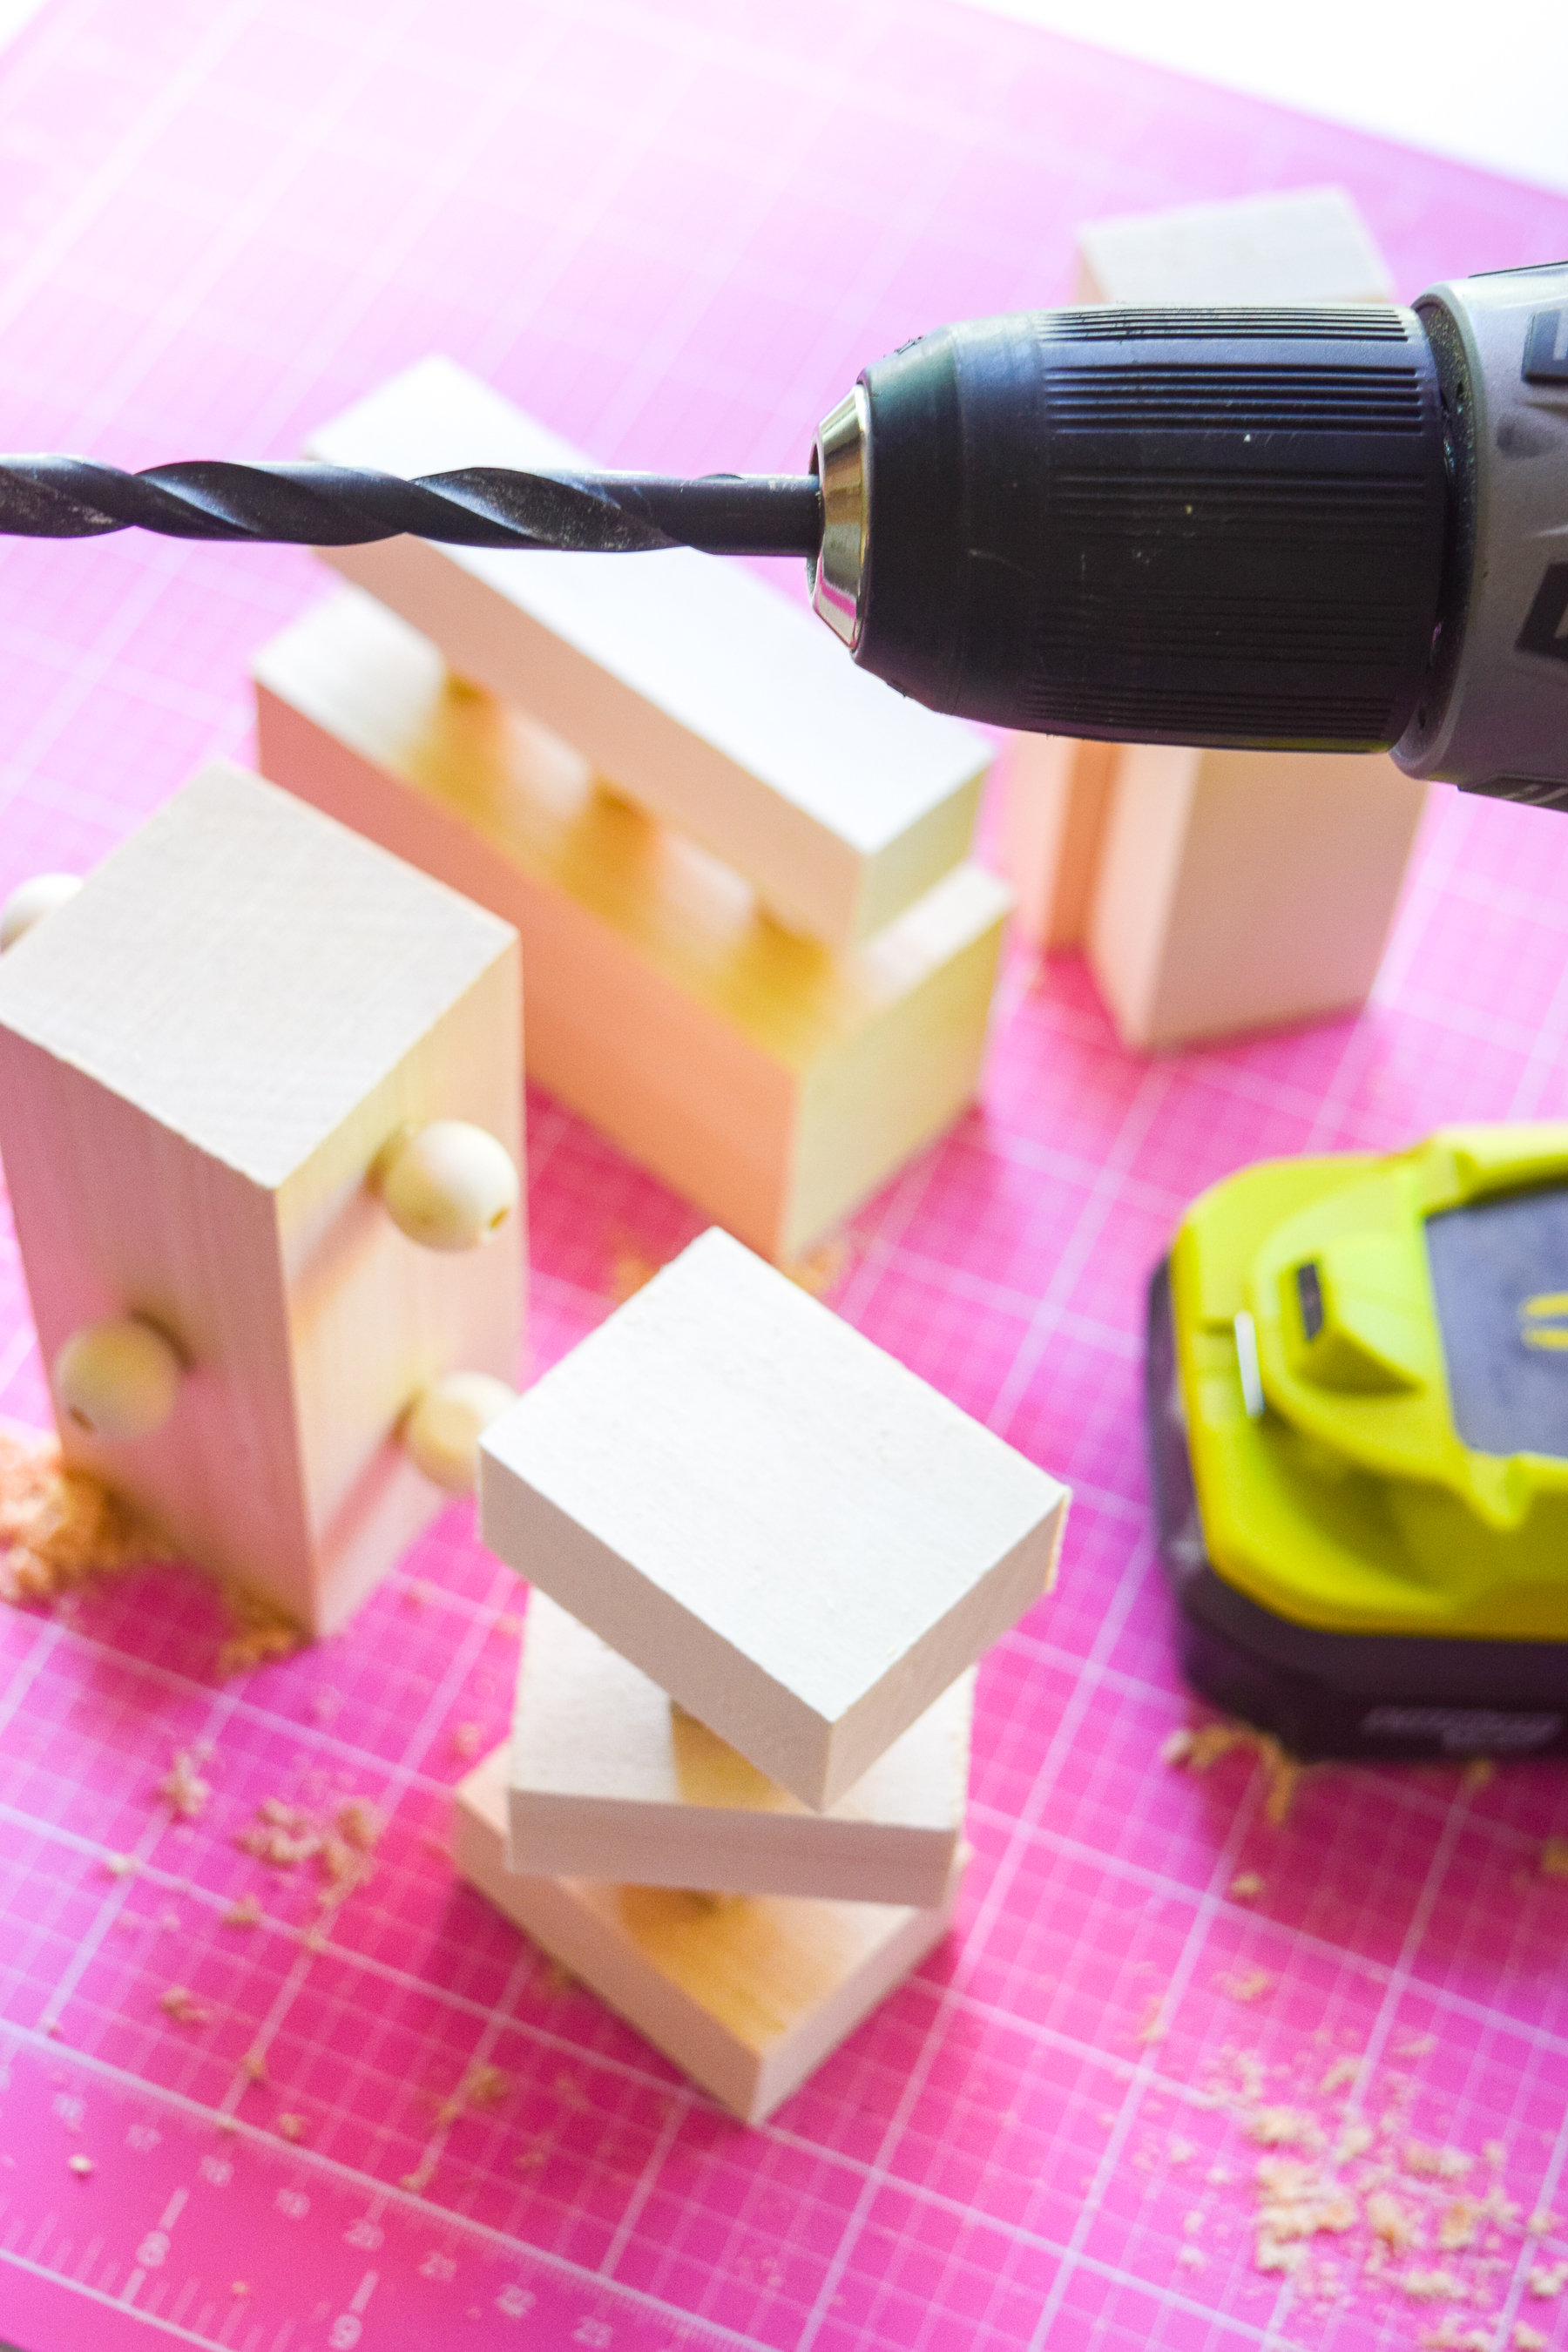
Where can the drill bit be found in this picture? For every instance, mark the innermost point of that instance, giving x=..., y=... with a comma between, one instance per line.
x=478, y=506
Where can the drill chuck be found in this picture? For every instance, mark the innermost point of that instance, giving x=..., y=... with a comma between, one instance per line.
x=1209, y=526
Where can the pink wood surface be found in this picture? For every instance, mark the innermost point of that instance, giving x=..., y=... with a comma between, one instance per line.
x=677, y=232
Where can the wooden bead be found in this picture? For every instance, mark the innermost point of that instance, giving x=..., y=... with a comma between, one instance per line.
x=442, y=1433
x=118, y=1381
x=31, y=900
x=449, y=1186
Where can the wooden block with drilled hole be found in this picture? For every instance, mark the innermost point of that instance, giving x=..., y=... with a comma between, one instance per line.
x=703, y=695
x=610, y=1778
x=785, y=1528
x=772, y=1081
x=1246, y=889
x=747, y=1994
x=204, y=1056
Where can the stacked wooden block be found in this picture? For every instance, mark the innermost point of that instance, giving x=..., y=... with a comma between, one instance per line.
x=1214, y=891
x=754, y=952
x=764, y=1561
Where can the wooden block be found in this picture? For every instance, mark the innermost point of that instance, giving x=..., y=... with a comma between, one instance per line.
x=1054, y=817
x=747, y=1994
x=1299, y=244
x=611, y=1779
x=791, y=1534
x=203, y=1056
x=1240, y=889
x=772, y=1082
x=704, y=696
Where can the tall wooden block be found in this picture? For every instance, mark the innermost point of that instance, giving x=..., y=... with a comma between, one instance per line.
x=610, y=1779
x=204, y=1056
x=1292, y=245
x=746, y=1994
x=1058, y=792
x=791, y=1534
x=702, y=695
x=1238, y=889
x=772, y=1081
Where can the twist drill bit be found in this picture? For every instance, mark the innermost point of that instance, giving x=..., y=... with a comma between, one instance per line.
x=480, y=506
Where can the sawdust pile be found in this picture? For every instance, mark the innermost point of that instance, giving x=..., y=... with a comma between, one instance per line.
x=340, y=1842
x=1343, y=2198
x=60, y=1528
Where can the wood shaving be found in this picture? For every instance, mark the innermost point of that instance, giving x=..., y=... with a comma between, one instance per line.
x=1527, y=2338
x=1478, y=1773
x=1420, y=2045
x=1284, y=2127
x=1387, y=2219
x=1553, y=1863
x=120, y=1865
x=1252, y=1986
x=1340, y=2077
x=81, y=2166
x=1544, y=2283
x=1154, y=2027
x=1457, y=2224
x=359, y=1822
x=252, y=2067
x=1431, y=2286
x=180, y=2003
x=293, y=2126
x=1541, y=2223
x=1434, y=2163
x=466, y=1741
x=246, y=1912
x=1246, y=1886
x=1203, y=1747
x=182, y=1789
x=1190, y=2259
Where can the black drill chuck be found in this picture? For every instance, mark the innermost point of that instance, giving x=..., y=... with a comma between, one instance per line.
x=1221, y=526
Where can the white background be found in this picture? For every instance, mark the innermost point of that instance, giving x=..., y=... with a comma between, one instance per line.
x=1488, y=84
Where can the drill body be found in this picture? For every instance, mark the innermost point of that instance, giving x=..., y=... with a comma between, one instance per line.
x=1341, y=530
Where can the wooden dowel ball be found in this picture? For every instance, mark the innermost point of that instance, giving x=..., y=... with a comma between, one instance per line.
x=117, y=1381
x=30, y=902
x=442, y=1433
x=449, y=1186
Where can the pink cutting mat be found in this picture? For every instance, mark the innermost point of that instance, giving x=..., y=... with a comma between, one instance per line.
x=677, y=232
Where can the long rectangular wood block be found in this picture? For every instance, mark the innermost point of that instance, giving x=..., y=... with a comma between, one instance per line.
x=746, y=1994
x=1291, y=244
x=1240, y=889
x=789, y=1532
x=1058, y=792
x=702, y=695
x=610, y=1778
x=772, y=1081
x=204, y=1056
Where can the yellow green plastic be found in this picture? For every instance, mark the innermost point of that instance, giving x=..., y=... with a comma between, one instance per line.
x=1351, y=1504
